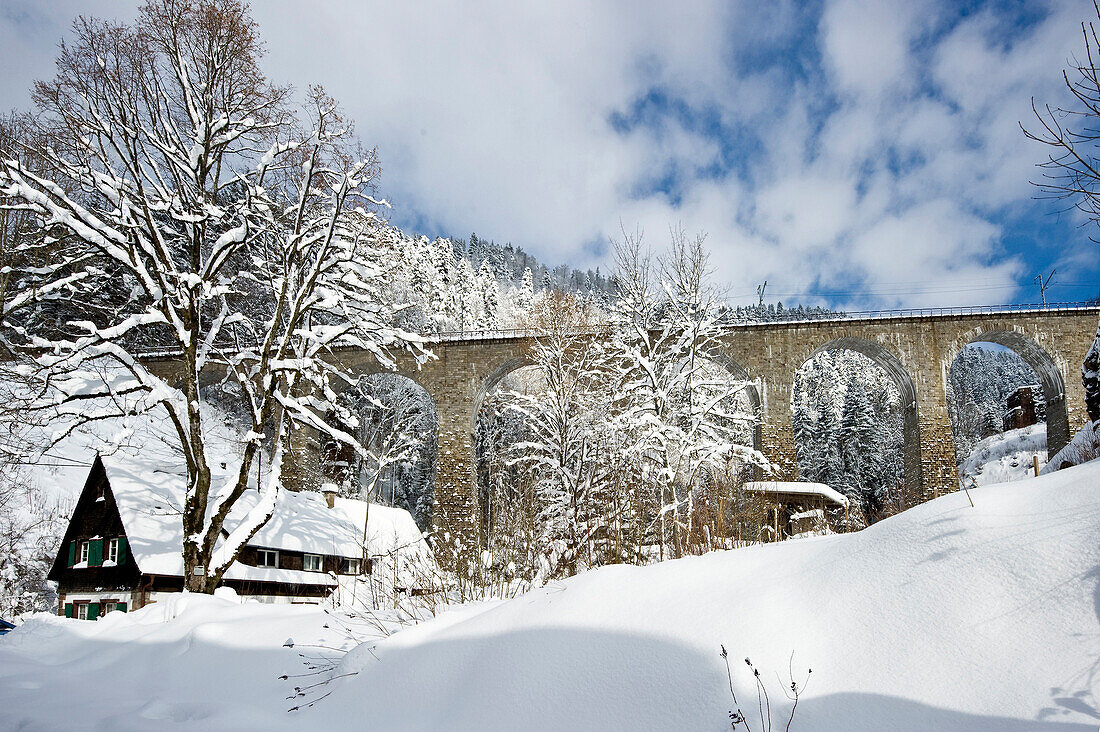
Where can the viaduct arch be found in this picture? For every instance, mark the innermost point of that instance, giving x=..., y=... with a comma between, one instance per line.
x=891, y=363
x=916, y=350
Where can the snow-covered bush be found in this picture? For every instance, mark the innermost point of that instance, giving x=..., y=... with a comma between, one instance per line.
x=31, y=529
x=1084, y=446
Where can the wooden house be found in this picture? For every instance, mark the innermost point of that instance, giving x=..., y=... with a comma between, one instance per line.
x=123, y=546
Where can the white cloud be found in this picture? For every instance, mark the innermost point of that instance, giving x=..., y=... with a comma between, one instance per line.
x=939, y=237
x=866, y=43
x=885, y=151
x=495, y=119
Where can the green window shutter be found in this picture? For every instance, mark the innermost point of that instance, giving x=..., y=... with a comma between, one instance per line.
x=93, y=610
x=122, y=550
x=121, y=606
x=72, y=554
x=68, y=609
x=95, y=553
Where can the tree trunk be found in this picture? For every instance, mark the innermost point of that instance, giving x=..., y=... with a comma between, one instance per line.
x=195, y=559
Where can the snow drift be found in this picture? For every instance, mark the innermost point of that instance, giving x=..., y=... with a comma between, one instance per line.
x=943, y=617
x=191, y=662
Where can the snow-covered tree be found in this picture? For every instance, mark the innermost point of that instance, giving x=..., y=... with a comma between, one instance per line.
x=1071, y=172
x=848, y=431
x=858, y=453
x=467, y=295
x=1090, y=377
x=490, y=297
x=31, y=529
x=526, y=295
x=397, y=425
x=568, y=451
x=243, y=235
x=980, y=380
x=683, y=417
x=508, y=496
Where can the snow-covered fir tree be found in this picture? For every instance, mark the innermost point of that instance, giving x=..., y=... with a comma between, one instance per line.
x=848, y=431
x=489, y=291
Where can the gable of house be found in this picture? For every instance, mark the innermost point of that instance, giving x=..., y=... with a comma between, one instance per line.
x=95, y=551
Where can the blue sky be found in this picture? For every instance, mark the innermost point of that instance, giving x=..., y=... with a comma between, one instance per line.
x=863, y=154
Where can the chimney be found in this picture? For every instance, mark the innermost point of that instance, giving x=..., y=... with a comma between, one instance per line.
x=329, y=492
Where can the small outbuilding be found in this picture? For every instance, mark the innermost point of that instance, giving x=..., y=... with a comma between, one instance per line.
x=123, y=546
x=797, y=506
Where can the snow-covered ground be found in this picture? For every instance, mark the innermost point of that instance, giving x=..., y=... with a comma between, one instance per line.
x=944, y=617
x=1006, y=457
x=194, y=662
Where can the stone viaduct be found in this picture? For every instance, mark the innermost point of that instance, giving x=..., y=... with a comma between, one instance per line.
x=917, y=350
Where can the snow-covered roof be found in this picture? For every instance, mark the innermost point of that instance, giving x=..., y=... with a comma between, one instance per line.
x=150, y=503
x=797, y=487
x=304, y=522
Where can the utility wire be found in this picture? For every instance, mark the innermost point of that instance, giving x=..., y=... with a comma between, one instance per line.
x=917, y=289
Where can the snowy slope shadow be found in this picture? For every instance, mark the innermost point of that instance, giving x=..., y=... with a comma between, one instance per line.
x=1082, y=701
x=875, y=712
x=566, y=679
x=585, y=679
x=215, y=670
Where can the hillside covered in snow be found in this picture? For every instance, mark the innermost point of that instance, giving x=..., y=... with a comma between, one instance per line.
x=1006, y=456
x=942, y=617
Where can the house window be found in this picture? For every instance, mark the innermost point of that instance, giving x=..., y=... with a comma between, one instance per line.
x=351, y=566
x=84, y=547
x=82, y=611
x=109, y=606
x=112, y=551
x=267, y=558
x=311, y=562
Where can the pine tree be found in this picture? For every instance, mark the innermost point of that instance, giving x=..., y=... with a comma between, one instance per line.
x=859, y=453
x=525, y=297
x=490, y=297
x=467, y=296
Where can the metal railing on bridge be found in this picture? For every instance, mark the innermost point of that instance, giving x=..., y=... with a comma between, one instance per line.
x=839, y=316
